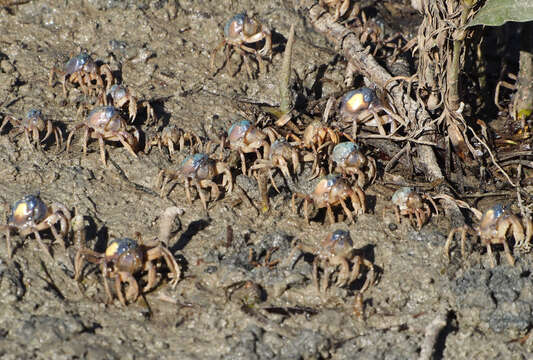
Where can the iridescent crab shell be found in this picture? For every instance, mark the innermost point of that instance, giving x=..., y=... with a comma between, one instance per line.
x=105, y=117
x=279, y=143
x=325, y=184
x=492, y=215
x=279, y=147
x=192, y=163
x=234, y=26
x=34, y=119
x=118, y=247
x=238, y=130
x=78, y=62
x=343, y=150
x=117, y=91
x=400, y=196
x=340, y=239
x=34, y=113
x=357, y=100
x=331, y=179
x=29, y=209
x=104, y=111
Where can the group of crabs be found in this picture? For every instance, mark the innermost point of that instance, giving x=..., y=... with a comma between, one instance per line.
x=262, y=151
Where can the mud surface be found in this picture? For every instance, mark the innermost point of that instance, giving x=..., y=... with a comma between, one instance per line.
x=163, y=50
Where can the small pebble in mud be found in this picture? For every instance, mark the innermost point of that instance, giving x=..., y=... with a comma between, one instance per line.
x=7, y=67
x=117, y=44
x=211, y=269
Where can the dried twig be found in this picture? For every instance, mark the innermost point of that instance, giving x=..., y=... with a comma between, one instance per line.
x=166, y=221
x=7, y=3
x=229, y=236
x=395, y=159
x=431, y=335
x=396, y=138
x=492, y=157
x=284, y=85
x=524, y=211
x=78, y=227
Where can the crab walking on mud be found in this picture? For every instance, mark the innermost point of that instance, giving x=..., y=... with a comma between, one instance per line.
x=330, y=191
x=362, y=106
x=281, y=153
x=172, y=135
x=31, y=215
x=33, y=124
x=120, y=95
x=198, y=170
x=406, y=201
x=351, y=161
x=494, y=224
x=125, y=258
x=316, y=137
x=238, y=31
x=335, y=255
x=105, y=123
x=82, y=70
x=246, y=138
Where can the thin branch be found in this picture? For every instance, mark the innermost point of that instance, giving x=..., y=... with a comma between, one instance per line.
x=284, y=86
x=166, y=221
x=432, y=333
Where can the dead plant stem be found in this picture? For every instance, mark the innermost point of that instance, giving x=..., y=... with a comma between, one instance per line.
x=284, y=86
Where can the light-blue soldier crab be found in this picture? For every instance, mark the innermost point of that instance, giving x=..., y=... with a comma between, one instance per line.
x=494, y=224
x=120, y=95
x=171, y=136
x=33, y=124
x=105, y=123
x=31, y=215
x=351, y=161
x=280, y=154
x=362, y=106
x=198, y=170
x=335, y=255
x=125, y=258
x=238, y=31
x=330, y=191
x=82, y=70
x=245, y=138
x=406, y=201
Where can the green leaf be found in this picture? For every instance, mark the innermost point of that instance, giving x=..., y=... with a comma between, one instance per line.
x=498, y=12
